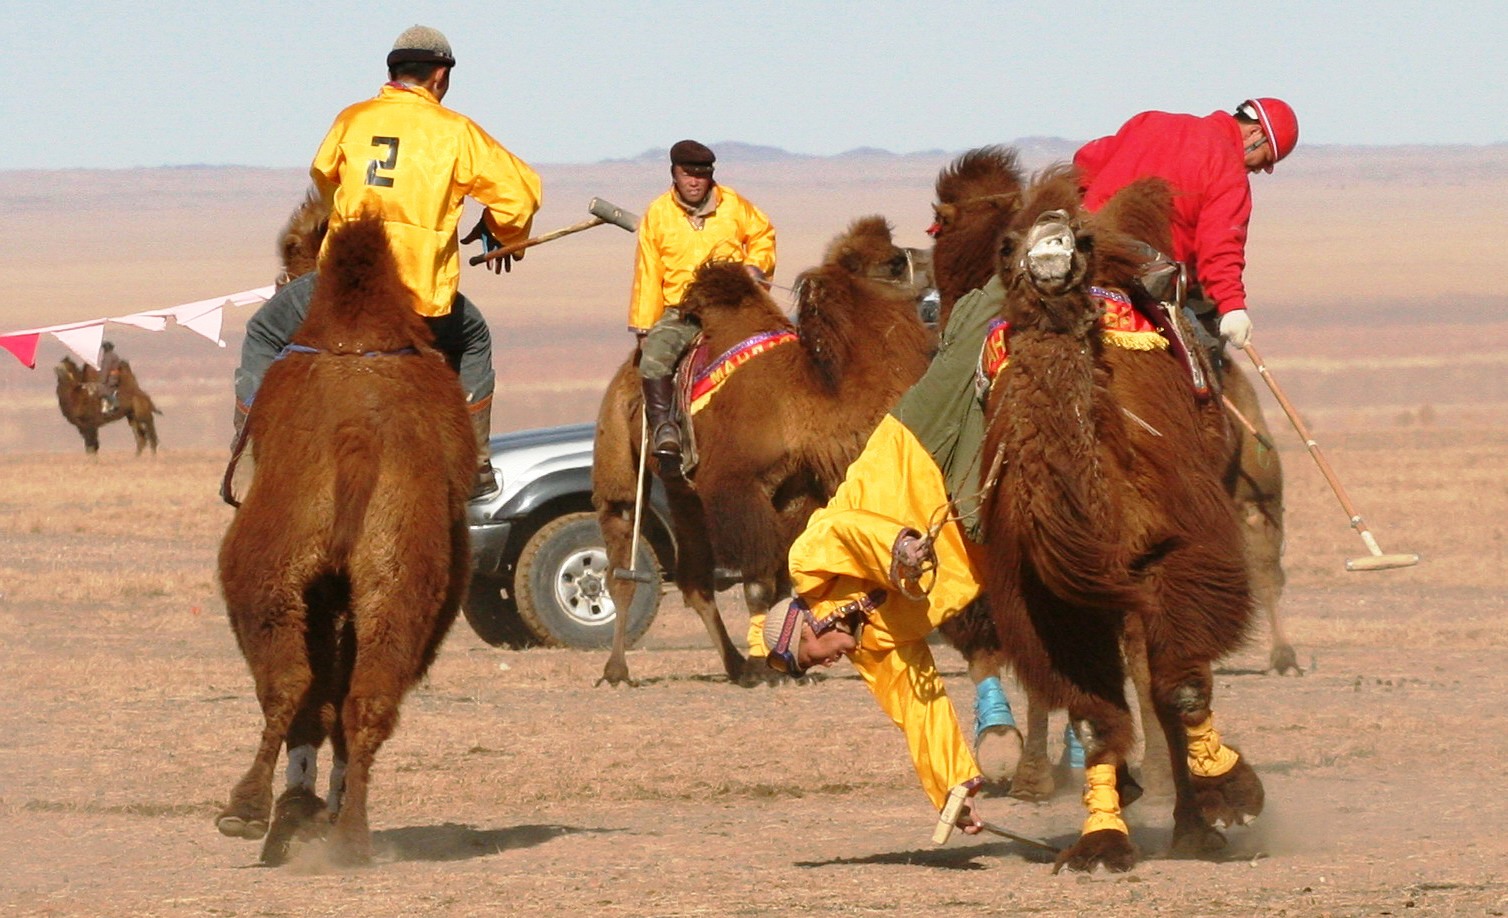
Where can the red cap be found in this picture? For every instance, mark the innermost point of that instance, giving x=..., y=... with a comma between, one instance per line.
x=1278, y=122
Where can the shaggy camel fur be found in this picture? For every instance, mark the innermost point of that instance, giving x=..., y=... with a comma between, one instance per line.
x=977, y=195
x=79, y=400
x=1110, y=514
x=776, y=438
x=347, y=560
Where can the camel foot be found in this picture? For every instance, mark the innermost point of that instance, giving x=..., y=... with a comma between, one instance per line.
x=1196, y=840
x=300, y=816
x=615, y=673
x=241, y=827
x=1034, y=779
x=1284, y=659
x=998, y=753
x=246, y=816
x=734, y=666
x=1106, y=848
x=756, y=671
x=1232, y=799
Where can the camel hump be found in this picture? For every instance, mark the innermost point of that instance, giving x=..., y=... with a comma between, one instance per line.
x=360, y=301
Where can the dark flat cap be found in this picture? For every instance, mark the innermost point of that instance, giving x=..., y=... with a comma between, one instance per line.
x=694, y=157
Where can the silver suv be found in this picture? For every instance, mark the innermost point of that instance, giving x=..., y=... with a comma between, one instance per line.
x=539, y=567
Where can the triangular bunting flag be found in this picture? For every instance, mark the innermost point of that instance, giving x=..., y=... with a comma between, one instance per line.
x=83, y=340
x=24, y=346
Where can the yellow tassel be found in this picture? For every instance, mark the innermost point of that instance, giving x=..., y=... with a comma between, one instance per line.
x=1102, y=801
x=1135, y=340
x=1208, y=757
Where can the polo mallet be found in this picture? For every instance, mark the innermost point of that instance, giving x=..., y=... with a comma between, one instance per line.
x=1246, y=423
x=601, y=211
x=947, y=821
x=633, y=573
x=1378, y=561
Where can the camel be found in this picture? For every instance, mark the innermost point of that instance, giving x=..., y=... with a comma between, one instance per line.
x=977, y=195
x=347, y=559
x=1111, y=521
x=79, y=400
x=777, y=436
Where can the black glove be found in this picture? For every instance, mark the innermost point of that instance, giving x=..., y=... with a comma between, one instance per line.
x=489, y=245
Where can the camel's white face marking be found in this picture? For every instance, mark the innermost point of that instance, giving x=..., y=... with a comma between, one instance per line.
x=1050, y=248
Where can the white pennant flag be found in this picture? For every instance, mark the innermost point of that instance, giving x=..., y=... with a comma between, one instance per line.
x=82, y=340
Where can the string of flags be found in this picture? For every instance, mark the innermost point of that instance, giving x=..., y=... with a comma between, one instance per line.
x=203, y=317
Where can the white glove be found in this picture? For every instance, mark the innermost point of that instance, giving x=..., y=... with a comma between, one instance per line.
x=1235, y=327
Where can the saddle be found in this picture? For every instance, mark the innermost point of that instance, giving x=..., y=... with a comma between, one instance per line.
x=699, y=374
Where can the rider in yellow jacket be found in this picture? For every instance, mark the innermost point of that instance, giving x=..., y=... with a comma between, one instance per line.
x=406, y=157
x=416, y=161
x=893, y=554
x=671, y=247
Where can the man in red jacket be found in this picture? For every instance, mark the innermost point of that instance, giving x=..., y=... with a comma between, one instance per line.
x=1208, y=161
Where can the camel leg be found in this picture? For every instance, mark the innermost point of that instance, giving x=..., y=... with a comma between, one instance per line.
x=1215, y=785
x=386, y=664
x=1258, y=491
x=1263, y=531
x=997, y=741
x=279, y=662
x=299, y=812
x=1034, y=778
x=616, y=522
x=760, y=592
x=1156, y=777
x=1107, y=733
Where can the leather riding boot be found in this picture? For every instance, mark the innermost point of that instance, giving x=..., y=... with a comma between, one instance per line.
x=664, y=432
x=481, y=425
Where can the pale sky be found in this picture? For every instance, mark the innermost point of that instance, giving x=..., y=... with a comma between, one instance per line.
x=120, y=85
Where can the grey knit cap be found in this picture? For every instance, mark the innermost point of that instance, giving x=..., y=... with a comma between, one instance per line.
x=421, y=44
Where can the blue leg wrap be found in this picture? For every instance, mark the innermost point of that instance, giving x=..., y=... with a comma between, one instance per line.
x=991, y=707
x=1073, y=750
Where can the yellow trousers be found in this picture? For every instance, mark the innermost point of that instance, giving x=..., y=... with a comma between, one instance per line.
x=846, y=551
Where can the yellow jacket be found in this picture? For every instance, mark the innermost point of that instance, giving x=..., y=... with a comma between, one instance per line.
x=415, y=161
x=845, y=552
x=671, y=249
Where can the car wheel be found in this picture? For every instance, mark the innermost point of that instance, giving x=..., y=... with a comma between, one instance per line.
x=562, y=584
x=493, y=616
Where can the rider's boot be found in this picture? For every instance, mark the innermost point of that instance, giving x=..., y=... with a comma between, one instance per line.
x=481, y=425
x=664, y=432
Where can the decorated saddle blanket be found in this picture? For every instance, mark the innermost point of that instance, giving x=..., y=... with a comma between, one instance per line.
x=1121, y=325
x=699, y=375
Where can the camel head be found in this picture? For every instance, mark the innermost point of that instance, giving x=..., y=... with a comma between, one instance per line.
x=866, y=249
x=984, y=172
x=1046, y=257
x=302, y=236
x=68, y=371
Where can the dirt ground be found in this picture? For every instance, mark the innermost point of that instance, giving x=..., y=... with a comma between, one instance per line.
x=515, y=786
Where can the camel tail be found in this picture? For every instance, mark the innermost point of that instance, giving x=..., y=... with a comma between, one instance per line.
x=357, y=451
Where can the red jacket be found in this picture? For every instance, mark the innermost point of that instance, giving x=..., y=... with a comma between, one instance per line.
x=1203, y=160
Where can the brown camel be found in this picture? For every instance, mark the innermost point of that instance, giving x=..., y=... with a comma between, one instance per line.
x=778, y=434
x=1111, y=520
x=977, y=195
x=79, y=400
x=348, y=557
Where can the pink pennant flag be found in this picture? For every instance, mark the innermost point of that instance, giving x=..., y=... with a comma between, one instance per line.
x=24, y=346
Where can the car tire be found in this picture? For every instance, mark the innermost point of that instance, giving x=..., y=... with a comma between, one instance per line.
x=562, y=586
x=493, y=616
